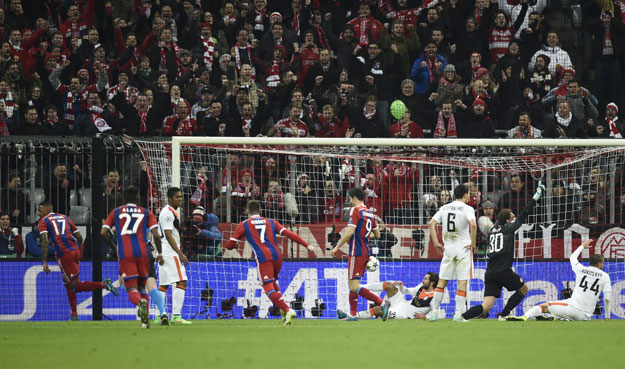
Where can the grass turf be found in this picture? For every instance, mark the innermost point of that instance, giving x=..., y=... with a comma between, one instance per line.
x=314, y=344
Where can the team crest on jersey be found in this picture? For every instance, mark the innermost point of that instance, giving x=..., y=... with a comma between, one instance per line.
x=265, y=277
x=611, y=243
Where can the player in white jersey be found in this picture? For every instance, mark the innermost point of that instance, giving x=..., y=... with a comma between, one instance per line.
x=590, y=281
x=400, y=308
x=459, y=233
x=173, y=271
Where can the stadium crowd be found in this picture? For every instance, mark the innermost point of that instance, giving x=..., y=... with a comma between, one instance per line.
x=304, y=68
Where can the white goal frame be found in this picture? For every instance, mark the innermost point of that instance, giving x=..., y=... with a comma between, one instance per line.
x=178, y=141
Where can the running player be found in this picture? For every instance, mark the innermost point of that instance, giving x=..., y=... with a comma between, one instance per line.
x=590, y=281
x=262, y=233
x=500, y=253
x=400, y=308
x=132, y=224
x=173, y=271
x=459, y=234
x=66, y=241
x=362, y=226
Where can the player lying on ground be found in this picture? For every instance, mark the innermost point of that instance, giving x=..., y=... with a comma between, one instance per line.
x=362, y=226
x=133, y=223
x=399, y=307
x=262, y=233
x=66, y=240
x=459, y=234
x=589, y=282
x=500, y=253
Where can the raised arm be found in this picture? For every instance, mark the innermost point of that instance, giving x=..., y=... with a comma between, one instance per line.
x=575, y=255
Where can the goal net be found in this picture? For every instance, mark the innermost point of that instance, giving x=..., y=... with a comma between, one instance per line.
x=303, y=183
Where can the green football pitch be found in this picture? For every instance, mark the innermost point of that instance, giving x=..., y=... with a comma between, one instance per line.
x=314, y=344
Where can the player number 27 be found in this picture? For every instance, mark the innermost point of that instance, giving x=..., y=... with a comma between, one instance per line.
x=138, y=218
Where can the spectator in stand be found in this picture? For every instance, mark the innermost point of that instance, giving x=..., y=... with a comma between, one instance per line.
x=398, y=48
x=330, y=125
x=406, y=128
x=409, y=98
x=612, y=127
x=564, y=123
x=96, y=119
x=274, y=206
x=59, y=185
x=270, y=40
x=243, y=192
x=475, y=123
x=15, y=201
x=368, y=121
x=112, y=195
x=445, y=123
x=520, y=12
x=306, y=198
x=470, y=41
x=449, y=87
x=215, y=123
x=291, y=126
x=430, y=198
x=608, y=36
x=541, y=79
x=8, y=125
x=327, y=69
x=433, y=20
x=400, y=181
x=524, y=128
x=373, y=194
x=558, y=57
x=516, y=198
x=343, y=45
x=331, y=203
x=140, y=119
x=31, y=125
x=366, y=28
x=427, y=69
x=11, y=244
x=181, y=123
x=500, y=36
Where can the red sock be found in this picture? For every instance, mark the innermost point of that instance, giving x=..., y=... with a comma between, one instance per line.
x=71, y=297
x=89, y=286
x=353, y=303
x=370, y=295
x=275, y=296
x=134, y=296
x=146, y=296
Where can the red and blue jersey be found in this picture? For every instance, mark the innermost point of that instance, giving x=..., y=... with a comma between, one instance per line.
x=132, y=224
x=60, y=230
x=261, y=233
x=365, y=223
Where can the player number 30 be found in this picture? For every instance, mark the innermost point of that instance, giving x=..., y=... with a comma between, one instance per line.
x=495, y=242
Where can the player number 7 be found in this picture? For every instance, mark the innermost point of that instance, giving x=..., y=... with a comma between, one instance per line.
x=262, y=228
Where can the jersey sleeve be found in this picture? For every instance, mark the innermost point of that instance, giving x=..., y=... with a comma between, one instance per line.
x=72, y=226
x=575, y=264
x=469, y=212
x=166, y=220
x=110, y=220
x=354, y=217
x=42, y=226
x=374, y=223
x=607, y=287
x=279, y=227
x=151, y=220
x=438, y=217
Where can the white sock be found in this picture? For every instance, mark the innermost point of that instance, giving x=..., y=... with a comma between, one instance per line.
x=461, y=304
x=534, y=312
x=177, y=300
x=436, y=300
x=374, y=286
x=363, y=314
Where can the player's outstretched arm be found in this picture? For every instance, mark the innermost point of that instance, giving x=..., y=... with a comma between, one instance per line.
x=575, y=255
x=348, y=232
x=296, y=238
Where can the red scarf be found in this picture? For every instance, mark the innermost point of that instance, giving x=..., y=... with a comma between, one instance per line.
x=367, y=115
x=295, y=23
x=209, y=50
x=4, y=127
x=163, y=65
x=237, y=55
x=323, y=40
x=432, y=66
x=614, y=132
x=447, y=83
x=364, y=23
x=440, y=125
x=260, y=25
x=9, y=104
x=143, y=115
x=273, y=74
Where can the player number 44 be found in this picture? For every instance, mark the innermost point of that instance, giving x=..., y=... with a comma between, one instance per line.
x=594, y=287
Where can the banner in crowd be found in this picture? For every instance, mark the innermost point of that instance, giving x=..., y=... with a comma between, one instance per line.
x=29, y=294
x=535, y=241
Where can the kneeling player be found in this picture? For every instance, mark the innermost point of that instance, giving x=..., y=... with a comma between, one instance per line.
x=400, y=308
x=499, y=271
x=589, y=282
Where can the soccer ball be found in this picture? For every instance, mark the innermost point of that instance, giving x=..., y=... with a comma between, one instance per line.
x=398, y=109
x=373, y=264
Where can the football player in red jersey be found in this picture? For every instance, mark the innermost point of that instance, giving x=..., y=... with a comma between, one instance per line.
x=262, y=233
x=362, y=226
x=132, y=224
x=66, y=240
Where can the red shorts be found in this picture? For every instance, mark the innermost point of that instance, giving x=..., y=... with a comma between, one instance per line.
x=356, y=266
x=269, y=271
x=69, y=264
x=135, y=269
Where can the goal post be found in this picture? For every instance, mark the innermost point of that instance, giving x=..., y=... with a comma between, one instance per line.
x=303, y=182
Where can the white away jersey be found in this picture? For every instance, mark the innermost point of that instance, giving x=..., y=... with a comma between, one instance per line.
x=455, y=218
x=169, y=219
x=589, y=282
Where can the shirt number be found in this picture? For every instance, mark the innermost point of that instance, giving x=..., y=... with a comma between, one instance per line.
x=451, y=222
x=594, y=287
x=56, y=227
x=262, y=228
x=138, y=218
x=368, y=226
x=495, y=242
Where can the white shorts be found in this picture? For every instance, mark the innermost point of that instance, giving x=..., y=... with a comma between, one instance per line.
x=562, y=310
x=402, y=309
x=172, y=271
x=457, y=263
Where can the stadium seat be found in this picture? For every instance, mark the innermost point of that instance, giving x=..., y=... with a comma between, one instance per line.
x=73, y=197
x=79, y=214
x=85, y=197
